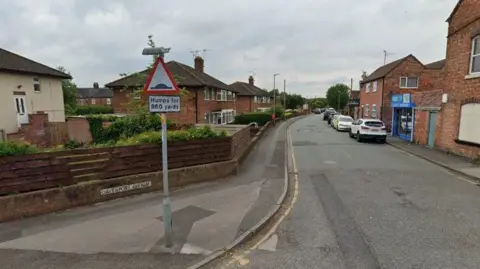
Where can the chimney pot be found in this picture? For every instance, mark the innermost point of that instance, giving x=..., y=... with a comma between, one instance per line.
x=199, y=63
x=251, y=80
x=95, y=85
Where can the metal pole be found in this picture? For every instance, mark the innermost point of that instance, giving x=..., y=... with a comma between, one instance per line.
x=167, y=210
x=274, y=100
x=284, y=97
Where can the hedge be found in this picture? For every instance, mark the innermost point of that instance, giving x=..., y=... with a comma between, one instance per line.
x=10, y=148
x=92, y=109
x=261, y=118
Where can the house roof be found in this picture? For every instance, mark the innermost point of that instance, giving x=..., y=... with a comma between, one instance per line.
x=449, y=19
x=382, y=71
x=436, y=65
x=185, y=75
x=12, y=62
x=94, y=92
x=245, y=89
x=355, y=94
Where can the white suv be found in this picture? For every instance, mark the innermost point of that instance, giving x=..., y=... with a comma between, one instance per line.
x=368, y=129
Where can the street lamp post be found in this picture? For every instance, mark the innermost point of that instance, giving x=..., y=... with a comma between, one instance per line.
x=167, y=210
x=274, y=97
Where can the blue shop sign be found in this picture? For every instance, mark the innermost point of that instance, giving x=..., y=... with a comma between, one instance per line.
x=402, y=100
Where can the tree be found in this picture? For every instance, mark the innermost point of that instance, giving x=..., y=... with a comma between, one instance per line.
x=319, y=103
x=338, y=95
x=294, y=101
x=69, y=90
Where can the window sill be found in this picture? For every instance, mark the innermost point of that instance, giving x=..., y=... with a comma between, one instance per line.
x=408, y=88
x=472, y=76
x=467, y=143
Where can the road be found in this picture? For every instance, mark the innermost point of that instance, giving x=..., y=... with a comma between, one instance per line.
x=366, y=205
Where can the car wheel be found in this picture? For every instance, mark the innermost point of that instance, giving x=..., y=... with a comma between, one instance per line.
x=383, y=140
x=359, y=139
x=350, y=134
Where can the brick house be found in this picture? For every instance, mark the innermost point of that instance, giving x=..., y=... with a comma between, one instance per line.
x=351, y=108
x=206, y=99
x=457, y=129
x=404, y=77
x=94, y=96
x=251, y=98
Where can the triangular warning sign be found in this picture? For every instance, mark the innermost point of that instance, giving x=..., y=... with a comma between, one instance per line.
x=160, y=80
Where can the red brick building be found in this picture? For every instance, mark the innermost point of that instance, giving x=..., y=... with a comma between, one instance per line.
x=94, y=96
x=250, y=98
x=404, y=76
x=458, y=128
x=205, y=99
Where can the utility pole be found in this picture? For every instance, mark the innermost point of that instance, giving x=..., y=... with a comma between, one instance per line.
x=274, y=97
x=385, y=54
x=284, y=97
x=167, y=210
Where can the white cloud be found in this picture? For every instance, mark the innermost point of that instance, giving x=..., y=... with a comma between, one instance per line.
x=311, y=43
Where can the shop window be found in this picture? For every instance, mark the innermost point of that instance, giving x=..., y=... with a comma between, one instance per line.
x=408, y=82
x=469, y=130
x=475, y=58
x=374, y=111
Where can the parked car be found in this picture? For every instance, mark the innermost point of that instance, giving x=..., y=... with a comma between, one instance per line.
x=334, y=119
x=328, y=112
x=343, y=123
x=368, y=129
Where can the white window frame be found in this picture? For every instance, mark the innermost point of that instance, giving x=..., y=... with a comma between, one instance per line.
x=36, y=83
x=229, y=96
x=374, y=111
x=375, y=86
x=406, y=83
x=93, y=101
x=212, y=94
x=473, y=55
x=255, y=99
x=109, y=101
x=206, y=94
x=367, y=87
x=468, y=129
x=366, y=110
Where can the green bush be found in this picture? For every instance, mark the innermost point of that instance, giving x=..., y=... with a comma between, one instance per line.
x=11, y=148
x=73, y=144
x=278, y=111
x=91, y=109
x=261, y=118
x=153, y=137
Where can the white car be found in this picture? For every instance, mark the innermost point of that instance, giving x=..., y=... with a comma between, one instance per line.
x=343, y=123
x=363, y=129
x=334, y=118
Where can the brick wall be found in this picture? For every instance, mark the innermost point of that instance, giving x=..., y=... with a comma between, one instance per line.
x=370, y=99
x=98, y=101
x=206, y=106
x=79, y=129
x=244, y=104
x=464, y=26
x=420, y=133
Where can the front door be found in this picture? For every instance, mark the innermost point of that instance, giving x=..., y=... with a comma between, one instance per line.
x=432, y=123
x=20, y=103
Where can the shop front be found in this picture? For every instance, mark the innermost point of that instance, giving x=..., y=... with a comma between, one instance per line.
x=403, y=116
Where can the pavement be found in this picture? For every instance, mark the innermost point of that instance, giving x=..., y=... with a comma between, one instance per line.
x=452, y=162
x=128, y=233
x=366, y=205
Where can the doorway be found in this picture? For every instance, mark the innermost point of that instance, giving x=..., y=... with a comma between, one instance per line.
x=20, y=103
x=432, y=123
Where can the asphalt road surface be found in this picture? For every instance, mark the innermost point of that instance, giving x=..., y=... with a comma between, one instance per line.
x=367, y=205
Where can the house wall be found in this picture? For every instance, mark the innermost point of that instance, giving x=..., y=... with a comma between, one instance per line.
x=207, y=106
x=420, y=132
x=370, y=99
x=464, y=26
x=98, y=101
x=48, y=100
x=244, y=104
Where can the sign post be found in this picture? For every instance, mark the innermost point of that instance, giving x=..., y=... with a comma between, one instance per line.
x=163, y=97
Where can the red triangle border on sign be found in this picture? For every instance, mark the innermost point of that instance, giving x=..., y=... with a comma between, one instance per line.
x=147, y=91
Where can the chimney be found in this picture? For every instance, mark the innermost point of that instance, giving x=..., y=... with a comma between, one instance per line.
x=95, y=85
x=199, y=64
x=364, y=75
x=251, y=81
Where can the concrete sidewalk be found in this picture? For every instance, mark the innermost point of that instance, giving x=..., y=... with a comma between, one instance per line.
x=451, y=162
x=128, y=233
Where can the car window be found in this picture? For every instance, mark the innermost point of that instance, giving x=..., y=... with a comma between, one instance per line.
x=359, y=122
x=345, y=119
x=374, y=123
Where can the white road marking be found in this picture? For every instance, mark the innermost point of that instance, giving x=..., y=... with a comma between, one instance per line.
x=329, y=162
x=270, y=244
x=191, y=249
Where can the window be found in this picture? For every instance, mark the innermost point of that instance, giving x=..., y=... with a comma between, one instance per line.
x=206, y=94
x=93, y=101
x=219, y=95
x=374, y=111
x=408, y=82
x=229, y=96
x=475, y=61
x=366, y=111
x=375, y=85
x=469, y=130
x=233, y=94
x=212, y=94
x=109, y=101
x=255, y=99
x=135, y=94
x=367, y=87
x=36, y=85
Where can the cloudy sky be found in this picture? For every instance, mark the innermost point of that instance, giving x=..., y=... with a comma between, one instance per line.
x=311, y=43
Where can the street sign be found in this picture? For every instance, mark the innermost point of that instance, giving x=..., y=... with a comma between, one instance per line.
x=163, y=103
x=160, y=80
